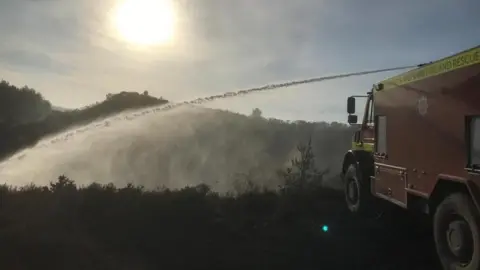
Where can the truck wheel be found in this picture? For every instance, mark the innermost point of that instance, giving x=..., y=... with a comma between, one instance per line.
x=456, y=232
x=357, y=194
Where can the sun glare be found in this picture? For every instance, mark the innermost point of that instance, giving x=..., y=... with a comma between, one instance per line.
x=145, y=22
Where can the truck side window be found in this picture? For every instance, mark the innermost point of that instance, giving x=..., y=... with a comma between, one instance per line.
x=475, y=141
x=369, y=116
x=381, y=138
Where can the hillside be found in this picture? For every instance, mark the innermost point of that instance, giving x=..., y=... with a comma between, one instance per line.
x=26, y=117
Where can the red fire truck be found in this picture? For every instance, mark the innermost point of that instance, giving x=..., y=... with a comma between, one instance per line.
x=418, y=147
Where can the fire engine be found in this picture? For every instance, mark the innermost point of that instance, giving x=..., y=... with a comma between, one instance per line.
x=418, y=147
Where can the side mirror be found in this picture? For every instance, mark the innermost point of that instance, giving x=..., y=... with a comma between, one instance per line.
x=351, y=105
x=352, y=119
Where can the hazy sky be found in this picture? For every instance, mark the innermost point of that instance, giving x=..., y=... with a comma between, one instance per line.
x=68, y=51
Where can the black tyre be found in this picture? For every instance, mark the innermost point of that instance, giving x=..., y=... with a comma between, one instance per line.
x=357, y=192
x=456, y=232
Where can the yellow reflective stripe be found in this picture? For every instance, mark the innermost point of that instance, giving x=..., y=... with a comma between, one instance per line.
x=363, y=146
x=460, y=60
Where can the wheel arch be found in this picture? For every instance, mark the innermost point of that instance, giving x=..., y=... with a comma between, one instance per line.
x=348, y=159
x=362, y=159
x=446, y=185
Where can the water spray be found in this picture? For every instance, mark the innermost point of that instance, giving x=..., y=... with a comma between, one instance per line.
x=281, y=85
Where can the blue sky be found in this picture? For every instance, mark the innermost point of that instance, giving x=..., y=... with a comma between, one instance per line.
x=65, y=50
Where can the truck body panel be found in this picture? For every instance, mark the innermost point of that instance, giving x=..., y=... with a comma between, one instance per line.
x=419, y=123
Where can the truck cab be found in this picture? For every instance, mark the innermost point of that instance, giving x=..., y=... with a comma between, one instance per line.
x=418, y=147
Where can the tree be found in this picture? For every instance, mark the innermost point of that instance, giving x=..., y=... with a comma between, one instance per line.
x=257, y=113
x=21, y=105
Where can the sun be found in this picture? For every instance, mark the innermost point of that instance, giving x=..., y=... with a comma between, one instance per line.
x=145, y=22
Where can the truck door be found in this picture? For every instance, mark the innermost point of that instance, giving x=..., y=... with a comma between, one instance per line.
x=389, y=179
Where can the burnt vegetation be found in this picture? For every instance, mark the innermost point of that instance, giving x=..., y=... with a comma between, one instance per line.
x=65, y=226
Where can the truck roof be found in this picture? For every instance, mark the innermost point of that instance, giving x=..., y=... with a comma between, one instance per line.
x=459, y=60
